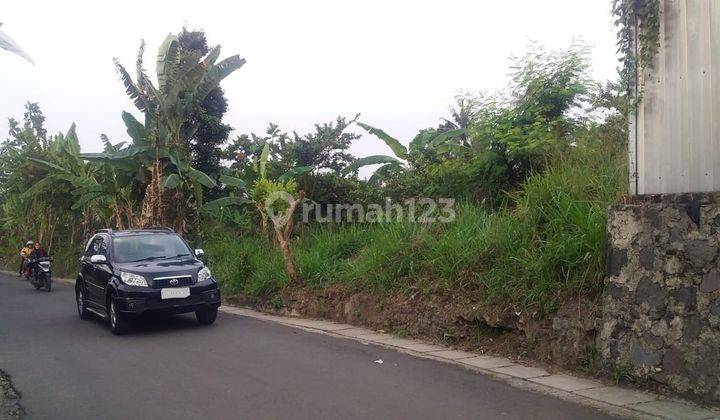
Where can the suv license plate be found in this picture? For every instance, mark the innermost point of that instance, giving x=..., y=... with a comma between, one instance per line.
x=174, y=293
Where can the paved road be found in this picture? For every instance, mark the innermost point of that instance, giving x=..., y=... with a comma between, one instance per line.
x=239, y=368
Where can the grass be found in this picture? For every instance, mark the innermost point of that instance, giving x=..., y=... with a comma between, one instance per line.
x=251, y=266
x=547, y=246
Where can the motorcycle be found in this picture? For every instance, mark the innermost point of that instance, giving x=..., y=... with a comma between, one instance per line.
x=41, y=273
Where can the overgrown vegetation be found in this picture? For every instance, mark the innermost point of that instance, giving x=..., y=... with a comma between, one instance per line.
x=544, y=247
x=531, y=169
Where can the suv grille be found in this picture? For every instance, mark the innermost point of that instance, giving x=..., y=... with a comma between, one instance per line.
x=161, y=282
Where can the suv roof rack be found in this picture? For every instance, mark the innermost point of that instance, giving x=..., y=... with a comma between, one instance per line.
x=165, y=228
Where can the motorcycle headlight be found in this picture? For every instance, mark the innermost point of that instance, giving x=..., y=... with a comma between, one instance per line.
x=133, y=279
x=204, y=274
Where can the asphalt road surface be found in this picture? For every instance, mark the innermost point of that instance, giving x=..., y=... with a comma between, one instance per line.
x=172, y=368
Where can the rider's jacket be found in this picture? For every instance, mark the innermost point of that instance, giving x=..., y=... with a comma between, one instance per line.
x=38, y=253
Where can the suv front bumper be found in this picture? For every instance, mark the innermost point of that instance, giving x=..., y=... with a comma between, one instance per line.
x=134, y=301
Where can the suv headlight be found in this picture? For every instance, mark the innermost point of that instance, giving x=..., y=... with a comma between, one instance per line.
x=133, y=279
x=204, y=274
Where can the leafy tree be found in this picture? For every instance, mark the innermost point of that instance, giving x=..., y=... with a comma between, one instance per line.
x=549, y=85
x=211, y=133
x=549, y=91
x=324, y=149
x=315, y=159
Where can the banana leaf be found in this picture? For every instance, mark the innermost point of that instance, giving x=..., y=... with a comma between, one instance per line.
x=167, y=62
x=217, y=73
x=295, y=172
x=381, y=173
x=86, y=199
x=448, y=135
x=420, y=141
x=232, y=181
x=9, y=44
x=202, y=178
x=132, y=90
x=225, y=202
x=172, y=181
x=394, y=144
x=369, y=160
x=39, y=187
x=263, y=160
x=128, y=152
x=47, y=164
x=135, y=129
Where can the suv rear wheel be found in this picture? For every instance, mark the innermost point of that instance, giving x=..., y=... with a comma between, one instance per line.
x=206, y=316
x=118, y=324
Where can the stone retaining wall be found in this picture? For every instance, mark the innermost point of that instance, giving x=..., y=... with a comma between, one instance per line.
x=661, y=305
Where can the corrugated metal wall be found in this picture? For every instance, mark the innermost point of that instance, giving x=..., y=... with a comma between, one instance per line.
x=675, y=134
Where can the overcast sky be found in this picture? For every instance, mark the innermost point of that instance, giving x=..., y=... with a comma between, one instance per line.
x=398, y=63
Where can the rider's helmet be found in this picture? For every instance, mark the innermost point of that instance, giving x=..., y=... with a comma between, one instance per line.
x=29, y=243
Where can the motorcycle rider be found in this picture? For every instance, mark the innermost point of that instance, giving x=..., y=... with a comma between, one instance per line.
x=25, y=254
x=37, y=252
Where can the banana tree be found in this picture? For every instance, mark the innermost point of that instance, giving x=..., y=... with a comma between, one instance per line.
x=179, y=177
x=438, y=141
x=182, y=177
x=236, y=187
x=64, y=172
x=104, y=191
x=277, y=200
x=184, y=80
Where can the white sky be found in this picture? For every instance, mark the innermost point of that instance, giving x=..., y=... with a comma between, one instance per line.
x=398, y=63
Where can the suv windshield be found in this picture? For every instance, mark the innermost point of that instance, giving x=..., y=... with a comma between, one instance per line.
x=148, y=247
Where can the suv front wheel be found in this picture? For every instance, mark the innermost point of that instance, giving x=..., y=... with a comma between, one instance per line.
x=81, y=305
x=206, y=316
x=118, y=324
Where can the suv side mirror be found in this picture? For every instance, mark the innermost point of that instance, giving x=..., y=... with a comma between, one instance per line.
x=199, y=253
x=98, y=259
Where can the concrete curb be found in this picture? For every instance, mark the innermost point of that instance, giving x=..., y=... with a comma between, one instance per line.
x=614, y=400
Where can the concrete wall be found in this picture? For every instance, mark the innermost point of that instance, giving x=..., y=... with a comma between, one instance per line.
x=661, y=305
x=675, y=134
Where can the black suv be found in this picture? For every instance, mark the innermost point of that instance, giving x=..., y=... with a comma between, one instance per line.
x=124, y=274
